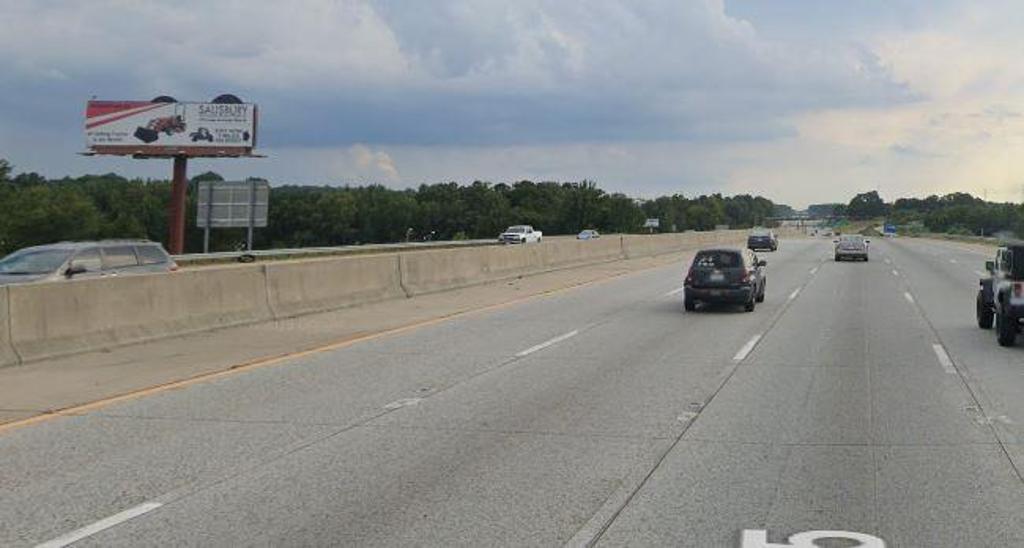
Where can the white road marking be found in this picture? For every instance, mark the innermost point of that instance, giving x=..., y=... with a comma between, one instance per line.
x=742, y=354
x=908, y=297
x=546, y=344
x=794, y=293
x=103, y=524
x=981, y=274
x=952, y=261
x=888, y=261
x=814, y=271
x=404, y=402
x=895, y=272
x=943, y=357
x=673, y=292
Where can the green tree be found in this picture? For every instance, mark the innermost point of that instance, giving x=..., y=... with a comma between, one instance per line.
x=867, y=205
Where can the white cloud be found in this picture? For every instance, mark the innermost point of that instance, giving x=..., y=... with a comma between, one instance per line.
x=374, y=164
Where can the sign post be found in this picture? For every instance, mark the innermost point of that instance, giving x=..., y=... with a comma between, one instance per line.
x=165, y=128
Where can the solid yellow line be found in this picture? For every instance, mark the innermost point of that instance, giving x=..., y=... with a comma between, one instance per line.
x=263, y=362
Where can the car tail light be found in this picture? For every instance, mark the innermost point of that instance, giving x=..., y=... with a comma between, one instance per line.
x=747, y=275
x=689, y=277
x=1018, y=289
x=174, y=267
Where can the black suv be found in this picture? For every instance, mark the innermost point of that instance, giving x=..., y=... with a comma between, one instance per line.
x=725, y=276
x=1001, y=297
x=760, y=238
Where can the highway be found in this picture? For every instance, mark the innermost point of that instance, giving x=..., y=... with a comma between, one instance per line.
x=860, y=397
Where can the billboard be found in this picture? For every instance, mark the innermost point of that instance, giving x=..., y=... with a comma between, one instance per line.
x=144, y=128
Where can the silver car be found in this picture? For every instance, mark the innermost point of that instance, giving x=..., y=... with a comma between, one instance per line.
x=77, y=260
x=851, y=246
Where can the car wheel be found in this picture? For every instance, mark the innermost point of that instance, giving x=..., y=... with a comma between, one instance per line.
x=689, y=305
x=984, y=313
x=749, y=307
x=865, y=258
x=760, y=294
x=837, y=258
x=1006, y=332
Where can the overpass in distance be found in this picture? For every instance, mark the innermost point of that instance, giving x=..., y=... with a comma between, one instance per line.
x=570, y=405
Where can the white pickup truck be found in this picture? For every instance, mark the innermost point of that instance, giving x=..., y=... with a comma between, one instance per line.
x=520, y=234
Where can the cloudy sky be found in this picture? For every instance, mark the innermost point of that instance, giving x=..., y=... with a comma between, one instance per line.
x=799, y=100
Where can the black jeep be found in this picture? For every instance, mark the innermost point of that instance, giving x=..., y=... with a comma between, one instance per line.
x=1001, y=297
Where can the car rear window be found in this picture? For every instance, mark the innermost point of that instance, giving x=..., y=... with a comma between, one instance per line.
x=151, y=254
x=119, y=256
x=717, y=259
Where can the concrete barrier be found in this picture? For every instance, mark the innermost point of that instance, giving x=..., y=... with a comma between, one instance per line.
x=634, y=245
x=564, y=252
x=47, y=320
x=55, y=319
x=319, y=285
x=433, y=271
x=7, y=354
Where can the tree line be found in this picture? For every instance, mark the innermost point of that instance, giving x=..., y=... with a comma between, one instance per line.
x=35, y=210
x=954, y=213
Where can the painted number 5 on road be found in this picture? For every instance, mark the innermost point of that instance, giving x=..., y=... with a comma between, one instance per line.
x=756, y=538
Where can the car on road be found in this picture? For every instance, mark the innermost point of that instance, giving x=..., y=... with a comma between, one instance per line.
x=851, y=246
x=78, y=260
x=1000, y=298
x=588, y=235
x=520, y=234
x=762, y=238
x=727, y=276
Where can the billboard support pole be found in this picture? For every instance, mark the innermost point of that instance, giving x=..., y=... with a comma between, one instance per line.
x=176, y=207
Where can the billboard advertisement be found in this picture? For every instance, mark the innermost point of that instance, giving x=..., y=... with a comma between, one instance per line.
x=166, y=129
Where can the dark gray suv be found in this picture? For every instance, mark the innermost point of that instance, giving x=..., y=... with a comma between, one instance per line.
x=733, y=276
x=77, y=260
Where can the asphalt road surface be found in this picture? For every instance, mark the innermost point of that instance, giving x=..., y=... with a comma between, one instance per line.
x=859, y=398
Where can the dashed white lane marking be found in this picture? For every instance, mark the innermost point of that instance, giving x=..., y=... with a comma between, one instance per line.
x=814, y=271
x=404, y=402
x=794, y=293
x=943, y=357
x=101, y=525
x=895, y=272
x=908, y=297
x=952, y=261
x=742, y=354
x=673, y=292
x=546, y=344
